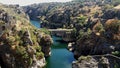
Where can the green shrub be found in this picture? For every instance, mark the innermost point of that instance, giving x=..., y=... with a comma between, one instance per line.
x=74, y=33
x=89, y=31
x=39, y=55
x=37, y=48
x=81, y=20
x=84, y=34
x=22, y=54
x=45, y=31
x=17, y=38
x=81, y=34
x=20, y=50
x=100, y=28
x=116, y=53
x=84, y=58
x=33, y=36
x=10, y=40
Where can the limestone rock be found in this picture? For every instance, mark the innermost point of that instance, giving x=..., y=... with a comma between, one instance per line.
x=97, y=61
x=46, y=42
x=19, y=45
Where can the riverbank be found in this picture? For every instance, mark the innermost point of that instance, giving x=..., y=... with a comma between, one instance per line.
x=60, y=56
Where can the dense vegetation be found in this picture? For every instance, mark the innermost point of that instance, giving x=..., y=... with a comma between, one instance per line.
x=62, y=15
x=95, y=23
x=20, y=42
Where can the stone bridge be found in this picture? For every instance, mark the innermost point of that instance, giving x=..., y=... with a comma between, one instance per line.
x=59, y=32
x=64, y=33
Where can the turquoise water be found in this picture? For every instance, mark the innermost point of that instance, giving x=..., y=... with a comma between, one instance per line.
x=60, y=56
x=35, y=23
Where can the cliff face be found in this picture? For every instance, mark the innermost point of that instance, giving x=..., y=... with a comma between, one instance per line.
x=100, y=61
x=55, y=15
x=19, y=40
x=96, y=25
x=46, y=42
x=65, y=15
x=100, y=38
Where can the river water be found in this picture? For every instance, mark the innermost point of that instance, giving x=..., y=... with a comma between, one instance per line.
x=60, y=56
x=35, y=23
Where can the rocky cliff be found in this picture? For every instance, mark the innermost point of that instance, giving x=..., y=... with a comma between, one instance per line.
x=96, y=25
x=66, y=15
x=54, y=15
x=98, y=61
x=100, y=38
x=19, y=40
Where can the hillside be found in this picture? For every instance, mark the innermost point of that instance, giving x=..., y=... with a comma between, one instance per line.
x=65, y=15
x=20, y=42
x=95, y=24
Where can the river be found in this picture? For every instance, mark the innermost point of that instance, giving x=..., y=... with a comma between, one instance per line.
x=35, y=23
x=60, y=56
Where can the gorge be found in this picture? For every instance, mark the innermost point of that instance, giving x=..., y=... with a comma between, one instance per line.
x=41, y=35
x=95, y=24
x=60, y=56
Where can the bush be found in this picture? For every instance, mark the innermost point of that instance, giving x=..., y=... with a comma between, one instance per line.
x=113, y=25
x=37, y=48
x=33, y=37
x=99, y=28
x=17, y=38
x=74, y=33
x=116, y=53
x=84, y=58
x=81, y=20
x=45, y=31
x=10, y=40
x=84, y=34
x=81, y=34
x=46, y=40
x=20, y=51
x=39, y=55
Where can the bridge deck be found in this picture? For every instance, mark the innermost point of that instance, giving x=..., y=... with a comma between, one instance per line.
x=60, y=30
